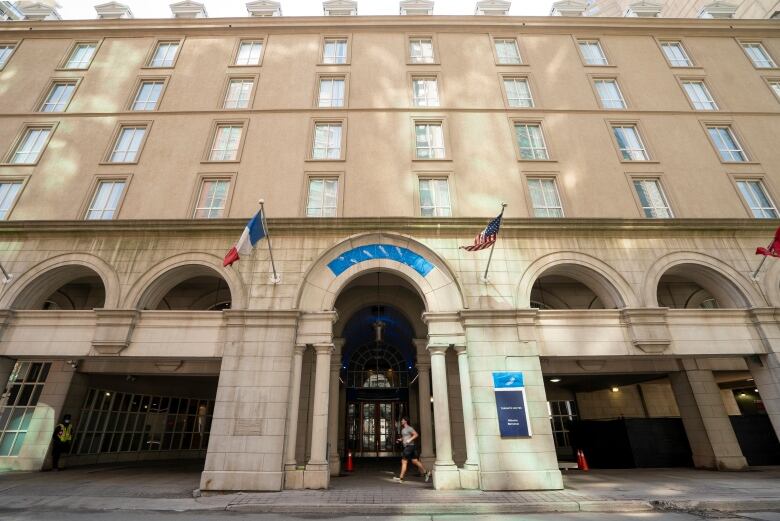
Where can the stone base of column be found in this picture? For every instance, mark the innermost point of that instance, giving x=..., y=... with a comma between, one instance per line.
x=335, y=464
x=446, y=477
x=469, y=478
x=721, y=463
x=241, y=480
x=522, y=480
x=293, y=479
x=316, y=476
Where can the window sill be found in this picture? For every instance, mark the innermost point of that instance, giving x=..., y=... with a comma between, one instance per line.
x=217, y=162
x=120, y=163
x=596, y=65
x=772, y=69
x=686, y=67
x=150, y=67
x=71, y=69
x=311, y=160
x=250, y=66
x=748, y=163
x=537, y=160
x=512, y=64
x=20, y=164
x=333, y=64
x=640, y=162
x=432, y=160
x=423, y=63
x=317, y=107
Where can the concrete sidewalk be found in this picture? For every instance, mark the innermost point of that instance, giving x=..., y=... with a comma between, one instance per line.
x=169, y=487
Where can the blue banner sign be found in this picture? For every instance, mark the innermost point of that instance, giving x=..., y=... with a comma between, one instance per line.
x=511, y=404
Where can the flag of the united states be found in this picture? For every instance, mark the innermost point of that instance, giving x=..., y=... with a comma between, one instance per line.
x=487, y=236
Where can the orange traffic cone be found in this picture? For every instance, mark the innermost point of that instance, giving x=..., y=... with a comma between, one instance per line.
x=582, y=463
x=350, y=464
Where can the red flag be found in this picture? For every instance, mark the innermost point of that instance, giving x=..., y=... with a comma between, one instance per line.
x=774, y=248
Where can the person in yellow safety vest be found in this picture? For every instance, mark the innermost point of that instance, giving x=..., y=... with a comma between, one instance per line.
x=61, y=441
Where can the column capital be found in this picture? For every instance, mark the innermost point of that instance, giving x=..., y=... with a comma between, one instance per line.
x=461, y=349
x=324, y=349
x=299, y=349
x=437, y=349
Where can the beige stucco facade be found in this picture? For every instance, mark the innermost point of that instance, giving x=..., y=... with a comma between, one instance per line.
x=600, y=292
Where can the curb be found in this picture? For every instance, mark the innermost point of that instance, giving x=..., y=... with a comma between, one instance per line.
x=456, y=508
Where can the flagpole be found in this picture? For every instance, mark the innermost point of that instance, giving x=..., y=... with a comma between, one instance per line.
x=276, y=278
x=490, y=257
x=755, y=273
x=6, y=276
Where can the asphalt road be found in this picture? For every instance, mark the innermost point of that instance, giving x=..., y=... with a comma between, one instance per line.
x=223, y=516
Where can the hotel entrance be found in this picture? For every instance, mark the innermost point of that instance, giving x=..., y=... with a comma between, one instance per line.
x=377, y=375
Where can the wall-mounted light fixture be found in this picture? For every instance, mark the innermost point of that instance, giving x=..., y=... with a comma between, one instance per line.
x=615, y=389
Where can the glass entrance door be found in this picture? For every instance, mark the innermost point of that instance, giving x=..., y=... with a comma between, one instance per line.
x=373, y=427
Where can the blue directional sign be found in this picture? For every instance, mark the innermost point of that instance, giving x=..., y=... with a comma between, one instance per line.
x=511, y=404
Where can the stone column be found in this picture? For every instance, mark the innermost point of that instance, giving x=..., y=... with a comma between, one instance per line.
x=710, y=434
x=317, y=473
x=290, y=463
x=445, y=476
x=469, y=424
x=334, y=459
x=766, y=375
x=424, y=392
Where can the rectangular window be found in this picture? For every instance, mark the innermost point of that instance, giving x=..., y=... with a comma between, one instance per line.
x=249, y=52
x=6, y=50
x=164, y=54
x=127, y=145
x=518, y=92
x=630, y=143
x=699, y=95
x=327, y=141
x=435, y=198
x=30, y=146
x=331, y=92
x=105, y=201
x=592, y=53
x=675, y=54
x=24, y=388
x=212, y=199
x=726, y=143
x=81, y=56
x=239, y=93
x=507, y=52
x=58, y=97
x=757, y=199
x=775, y=86
x=425, y=92
x=148, y=95
x=530, y=141
x=322, y=200
x=544, y=197
x=334, y=51
x=8, y=192
x=429, y=141
x=609, y=94
x=758, y=55
x=421, y=50
x=117, y=422
x=227, y=139
x=652, y=198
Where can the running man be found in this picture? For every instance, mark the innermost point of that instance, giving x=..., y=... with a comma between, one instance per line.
x=408, y=435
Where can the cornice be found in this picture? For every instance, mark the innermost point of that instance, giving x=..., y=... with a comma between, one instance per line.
x=453, y=227
x=437, y=22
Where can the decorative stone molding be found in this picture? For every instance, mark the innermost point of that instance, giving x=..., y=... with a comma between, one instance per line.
x=444, y=329
x=113, y=11
x=493, y=7
x=113, y=329
x=648, y=328
x=767, y=322
x=188, y=9
x=416, y=7
x=264, y=8
x=340, y=8
x=568, y=8
x=591, y=365
x=169, y=366
x=38, y=11
x=316, y=328
x=718, y=10
x=6, y=317
x=644, y=9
